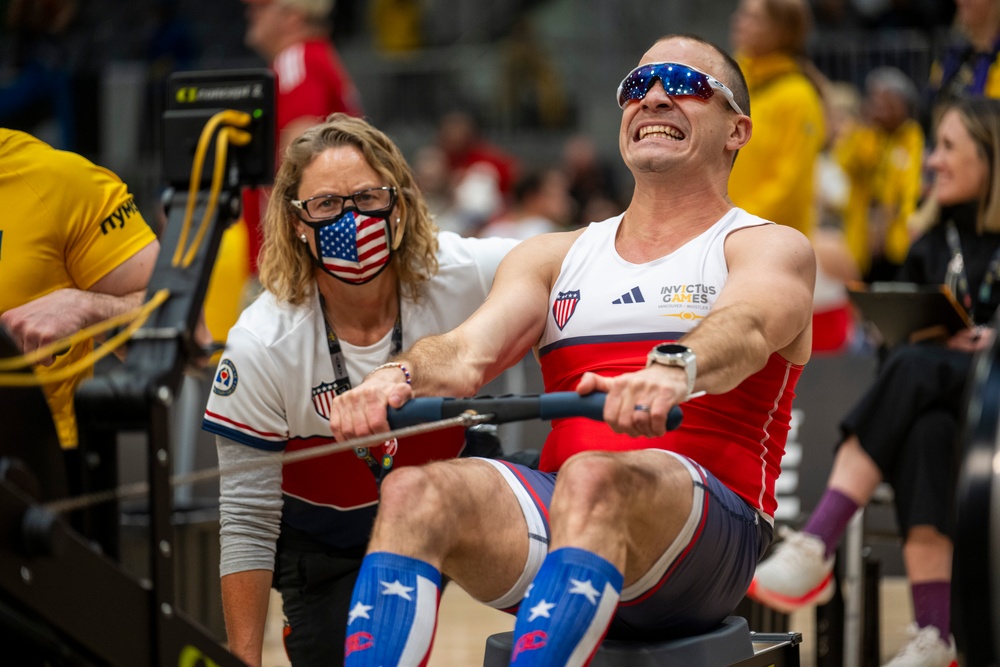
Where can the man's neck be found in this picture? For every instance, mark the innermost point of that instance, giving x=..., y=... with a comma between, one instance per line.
x=660, y=221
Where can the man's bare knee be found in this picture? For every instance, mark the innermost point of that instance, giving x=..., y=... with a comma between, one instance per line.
x=413, y=508
x=414, y=490
x=589, y=483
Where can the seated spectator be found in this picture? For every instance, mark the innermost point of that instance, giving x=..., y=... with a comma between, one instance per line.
x=882, y=156
x=541, y=204
x=903, y=430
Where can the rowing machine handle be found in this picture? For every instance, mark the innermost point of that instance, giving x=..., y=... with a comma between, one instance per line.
x=510, y=408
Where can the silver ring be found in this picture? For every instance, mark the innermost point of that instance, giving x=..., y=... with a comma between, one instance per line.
x=641, y=408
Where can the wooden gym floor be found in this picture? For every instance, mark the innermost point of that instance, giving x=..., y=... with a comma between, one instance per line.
x=464, y=625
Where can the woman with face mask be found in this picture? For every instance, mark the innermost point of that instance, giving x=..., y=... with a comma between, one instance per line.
x=354, y=270
x=903, y=430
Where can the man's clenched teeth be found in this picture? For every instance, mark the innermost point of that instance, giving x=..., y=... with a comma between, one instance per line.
x=661, y=131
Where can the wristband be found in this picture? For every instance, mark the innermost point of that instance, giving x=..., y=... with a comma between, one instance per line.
x=391, y=364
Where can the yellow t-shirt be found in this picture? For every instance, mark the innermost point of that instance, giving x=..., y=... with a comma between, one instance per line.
x=773, y=173
x=884, y=173
x=66, y=223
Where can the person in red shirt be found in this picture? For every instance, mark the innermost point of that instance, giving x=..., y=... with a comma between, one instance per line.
x=482, y=175
x=312, y=82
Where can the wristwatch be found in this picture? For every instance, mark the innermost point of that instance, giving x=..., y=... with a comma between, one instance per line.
x=673, y=354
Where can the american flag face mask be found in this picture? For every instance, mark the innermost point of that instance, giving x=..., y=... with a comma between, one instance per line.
x=354, y=247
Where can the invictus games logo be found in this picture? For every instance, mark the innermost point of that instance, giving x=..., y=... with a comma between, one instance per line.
x=225, y=378
x=694, y=293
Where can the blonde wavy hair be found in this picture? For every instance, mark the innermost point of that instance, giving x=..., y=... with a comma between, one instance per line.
x=981, y=117
x=286, y=269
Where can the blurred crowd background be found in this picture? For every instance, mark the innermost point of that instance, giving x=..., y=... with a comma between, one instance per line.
x=536, y=78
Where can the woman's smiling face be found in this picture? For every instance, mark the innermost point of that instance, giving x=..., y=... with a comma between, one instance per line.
x=961, y=173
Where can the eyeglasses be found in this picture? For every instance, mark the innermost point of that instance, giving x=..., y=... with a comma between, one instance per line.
x=327, y=207
x=677, y=80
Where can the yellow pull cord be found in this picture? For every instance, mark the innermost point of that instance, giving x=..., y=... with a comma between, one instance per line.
x=230, y=116
x=227, y=135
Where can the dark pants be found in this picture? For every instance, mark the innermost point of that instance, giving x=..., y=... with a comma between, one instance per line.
x=316, y=590
x=908, y=423
x=316, y=581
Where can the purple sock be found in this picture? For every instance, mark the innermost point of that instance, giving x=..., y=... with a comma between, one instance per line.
x=830, y=518
x=932, y=605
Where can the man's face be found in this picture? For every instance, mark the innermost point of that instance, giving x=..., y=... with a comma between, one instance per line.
x=659, y=131
x=266, y=23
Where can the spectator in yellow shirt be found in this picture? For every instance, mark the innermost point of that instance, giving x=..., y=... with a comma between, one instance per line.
x=882, y=156
x=773, y=175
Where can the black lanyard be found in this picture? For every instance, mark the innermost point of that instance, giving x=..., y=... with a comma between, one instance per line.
x=958, y=279
x=342, y=382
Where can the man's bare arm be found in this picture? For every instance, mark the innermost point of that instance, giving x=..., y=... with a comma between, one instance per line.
x=765, y=307
x=66, y=311
x=458, y=363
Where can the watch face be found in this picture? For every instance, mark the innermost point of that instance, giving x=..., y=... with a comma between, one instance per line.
x=672, y=348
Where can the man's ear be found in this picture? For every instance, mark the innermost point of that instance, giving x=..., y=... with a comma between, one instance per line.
x=740, y=133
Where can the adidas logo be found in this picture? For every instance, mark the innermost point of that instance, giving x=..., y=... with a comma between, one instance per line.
x=634, y=295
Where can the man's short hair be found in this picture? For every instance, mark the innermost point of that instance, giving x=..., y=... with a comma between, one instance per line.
x=314, y=9
x=733, y=75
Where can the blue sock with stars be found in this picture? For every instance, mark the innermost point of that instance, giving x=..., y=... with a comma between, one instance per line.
x=567, y=610
x=393, y=612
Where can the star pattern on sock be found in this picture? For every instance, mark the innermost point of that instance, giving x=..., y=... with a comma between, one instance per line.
x=586, y=589
x=360, y=610
x=397, y=588
x=541, y=609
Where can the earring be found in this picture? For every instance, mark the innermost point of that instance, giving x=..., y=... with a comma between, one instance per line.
x=303, y=238
x=398, y=219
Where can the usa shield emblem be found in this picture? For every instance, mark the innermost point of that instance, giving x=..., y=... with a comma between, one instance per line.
x=322, y=396
x=564, y=307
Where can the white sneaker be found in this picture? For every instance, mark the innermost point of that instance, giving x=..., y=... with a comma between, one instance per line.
x=797, y=575
x=925, y=649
